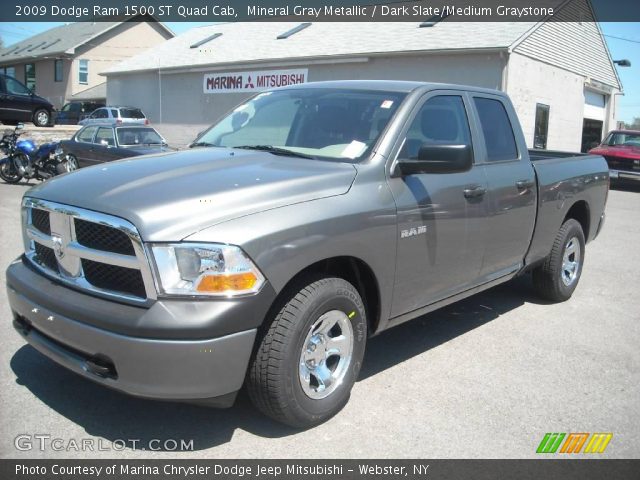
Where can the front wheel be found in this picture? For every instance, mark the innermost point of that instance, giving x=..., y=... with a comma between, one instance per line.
x=309, y=357
x=41, y=118
x=72, y=163
x=557, y=278
x=8, y=171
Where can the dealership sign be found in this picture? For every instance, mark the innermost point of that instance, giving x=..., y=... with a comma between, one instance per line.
x=252, y=81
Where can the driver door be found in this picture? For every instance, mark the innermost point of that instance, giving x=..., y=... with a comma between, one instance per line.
x=441, y=225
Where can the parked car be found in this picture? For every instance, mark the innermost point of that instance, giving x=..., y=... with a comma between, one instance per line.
x=20, y=104
x=115, y=115
x=106, y=142
x=621, y=150
x=71, y=112
x=320, y=215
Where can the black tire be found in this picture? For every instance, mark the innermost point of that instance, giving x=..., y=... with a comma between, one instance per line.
x=9, y=173
x=41, y=117
x=552, y=281
x=274, y=380
x=62, y=167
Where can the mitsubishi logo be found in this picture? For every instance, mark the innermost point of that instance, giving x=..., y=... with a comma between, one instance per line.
x=58, y=248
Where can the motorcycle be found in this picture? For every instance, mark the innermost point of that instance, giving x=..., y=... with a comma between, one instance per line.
x=25, y=160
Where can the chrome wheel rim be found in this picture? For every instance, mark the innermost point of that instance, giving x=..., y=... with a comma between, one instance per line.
x=43, y=118
x=326, y=354
x=72, y=163
x=571, y=261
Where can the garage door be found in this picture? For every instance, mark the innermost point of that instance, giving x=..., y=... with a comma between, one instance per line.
x=594, y=105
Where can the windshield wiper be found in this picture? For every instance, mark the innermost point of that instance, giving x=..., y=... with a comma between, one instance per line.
x=275, y=150
x=203, y=144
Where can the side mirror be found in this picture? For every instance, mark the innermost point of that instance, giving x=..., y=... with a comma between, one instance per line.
x=438, y=159
x=20, y=126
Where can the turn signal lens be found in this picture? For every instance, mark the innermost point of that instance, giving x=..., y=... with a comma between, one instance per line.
x=225, y=283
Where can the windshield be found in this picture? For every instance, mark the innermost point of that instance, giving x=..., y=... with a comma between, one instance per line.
x=623, y=138
x=317, y=123
x=71, y=107
x=138, y=136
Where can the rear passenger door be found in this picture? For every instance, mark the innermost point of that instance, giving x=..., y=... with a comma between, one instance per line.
x=441, y=227
x=511, y=198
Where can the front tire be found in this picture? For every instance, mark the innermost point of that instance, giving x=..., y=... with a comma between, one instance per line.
x=41, y=118
x=9, y=173
x=309, y=357
x=557, y=278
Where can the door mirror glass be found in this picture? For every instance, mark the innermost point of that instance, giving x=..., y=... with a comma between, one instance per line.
x=20, y=126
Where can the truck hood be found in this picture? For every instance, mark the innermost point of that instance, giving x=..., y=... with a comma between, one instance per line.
x=173, y=195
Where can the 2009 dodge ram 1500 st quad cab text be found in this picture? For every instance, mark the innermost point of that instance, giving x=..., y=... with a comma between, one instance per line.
x=314, y=217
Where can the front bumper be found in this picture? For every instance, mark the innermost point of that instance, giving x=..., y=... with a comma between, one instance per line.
x=624, y=175
x=186, y=369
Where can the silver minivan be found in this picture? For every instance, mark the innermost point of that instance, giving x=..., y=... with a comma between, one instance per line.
x=115, y=115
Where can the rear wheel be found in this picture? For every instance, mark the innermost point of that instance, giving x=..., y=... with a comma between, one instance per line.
x=309, y=357
x=557, y=278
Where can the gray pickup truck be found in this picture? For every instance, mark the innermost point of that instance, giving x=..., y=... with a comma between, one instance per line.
x=311, y=218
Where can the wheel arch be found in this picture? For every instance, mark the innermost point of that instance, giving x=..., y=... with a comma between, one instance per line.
x=580, y=212
x=352, y=269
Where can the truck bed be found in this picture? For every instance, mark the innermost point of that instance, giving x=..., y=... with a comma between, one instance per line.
x=538, y=154
x=563, y=180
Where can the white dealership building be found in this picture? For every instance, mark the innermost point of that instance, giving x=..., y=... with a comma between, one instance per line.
x=559, y=74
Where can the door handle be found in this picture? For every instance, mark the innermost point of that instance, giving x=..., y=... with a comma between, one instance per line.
x=474, y=191
x=524, y=184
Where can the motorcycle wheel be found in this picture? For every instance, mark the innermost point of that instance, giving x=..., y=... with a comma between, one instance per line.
x=9, y=173
x=62, y=167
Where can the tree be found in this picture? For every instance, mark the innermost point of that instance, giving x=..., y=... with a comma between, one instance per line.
x=635, y=125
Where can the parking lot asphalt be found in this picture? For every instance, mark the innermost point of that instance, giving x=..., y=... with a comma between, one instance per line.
x=483, y=378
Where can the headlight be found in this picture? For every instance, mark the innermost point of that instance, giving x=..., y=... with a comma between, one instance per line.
x=204, y=269
x=58, y=151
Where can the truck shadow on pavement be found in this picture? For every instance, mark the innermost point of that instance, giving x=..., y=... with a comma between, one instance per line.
x=135, y=422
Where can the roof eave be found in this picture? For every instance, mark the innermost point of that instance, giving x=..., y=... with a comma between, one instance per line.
x=289, y=61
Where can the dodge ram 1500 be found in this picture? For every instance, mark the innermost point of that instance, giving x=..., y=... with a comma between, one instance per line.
x=313, y=217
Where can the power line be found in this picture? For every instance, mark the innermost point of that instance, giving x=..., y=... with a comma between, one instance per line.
x=622, y=38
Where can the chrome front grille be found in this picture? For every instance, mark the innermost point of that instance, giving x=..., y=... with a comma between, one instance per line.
x=87, y=250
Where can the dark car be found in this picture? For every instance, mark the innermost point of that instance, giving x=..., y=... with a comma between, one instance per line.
x=20, y=104
x=72, y=112
x=95, y=144
x=621, y=150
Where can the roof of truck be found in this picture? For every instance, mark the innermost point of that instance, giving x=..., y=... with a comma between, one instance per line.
x=389, y=86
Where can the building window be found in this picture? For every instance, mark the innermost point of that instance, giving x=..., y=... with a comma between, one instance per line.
x=83, y=72
x=541, y=128
x=57, y=70
x=9, y=71
x=30, y=76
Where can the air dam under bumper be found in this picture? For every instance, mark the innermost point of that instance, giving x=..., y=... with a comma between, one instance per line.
x=208, y=371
